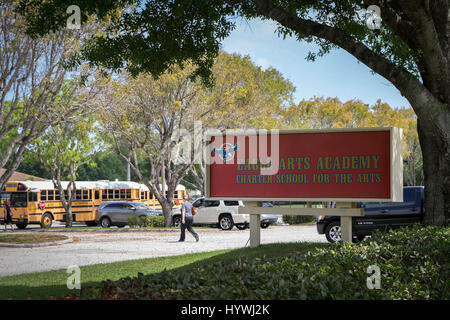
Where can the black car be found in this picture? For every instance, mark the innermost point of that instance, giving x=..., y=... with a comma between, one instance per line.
x=378, y=216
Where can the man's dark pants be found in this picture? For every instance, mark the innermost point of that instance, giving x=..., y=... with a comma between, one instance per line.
x=188, y=225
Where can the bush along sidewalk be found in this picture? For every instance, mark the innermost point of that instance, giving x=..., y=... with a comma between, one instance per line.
x=146, y=222
x=413, y=264
x=293, y=220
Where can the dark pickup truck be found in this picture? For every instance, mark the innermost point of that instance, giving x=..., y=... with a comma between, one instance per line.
x=378, y=216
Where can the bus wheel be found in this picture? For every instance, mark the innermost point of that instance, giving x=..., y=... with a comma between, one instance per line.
x=21, y=225
x=46, y=221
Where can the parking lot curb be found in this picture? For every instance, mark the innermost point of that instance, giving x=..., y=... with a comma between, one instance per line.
x=106, y=230
x=34, y=245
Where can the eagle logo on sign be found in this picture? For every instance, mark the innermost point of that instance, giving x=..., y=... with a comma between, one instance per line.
x=226, y=151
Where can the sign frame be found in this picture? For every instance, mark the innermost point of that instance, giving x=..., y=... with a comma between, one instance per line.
x=396, y=163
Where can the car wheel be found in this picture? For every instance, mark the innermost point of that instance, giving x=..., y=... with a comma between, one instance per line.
x=333, y=232
x=177, y=221
x=105, y=222
x=226, y=222
x=264, y=225
x=21, y=225
x=46, y=221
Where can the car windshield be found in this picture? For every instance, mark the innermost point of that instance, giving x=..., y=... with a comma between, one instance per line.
x=141, y=206
x=199, y=203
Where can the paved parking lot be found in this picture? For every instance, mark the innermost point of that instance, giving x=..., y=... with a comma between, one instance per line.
x=103, y=247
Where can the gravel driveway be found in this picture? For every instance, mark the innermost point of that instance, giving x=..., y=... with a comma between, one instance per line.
x=103, y=247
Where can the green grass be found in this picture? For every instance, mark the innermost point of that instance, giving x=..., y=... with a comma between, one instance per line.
x=413, y=262
x=50, y=285
x=28, y=238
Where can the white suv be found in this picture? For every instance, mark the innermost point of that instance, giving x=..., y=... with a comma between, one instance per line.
x=222, y=213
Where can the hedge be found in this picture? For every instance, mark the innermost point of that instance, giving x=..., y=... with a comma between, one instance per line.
x=292, y=219
x=413, y=261
x=145, y=222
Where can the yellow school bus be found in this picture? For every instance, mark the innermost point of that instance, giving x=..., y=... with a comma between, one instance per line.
x=149, y=199
x=38, y=202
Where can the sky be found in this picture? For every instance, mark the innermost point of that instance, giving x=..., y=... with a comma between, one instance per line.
x=338, y=74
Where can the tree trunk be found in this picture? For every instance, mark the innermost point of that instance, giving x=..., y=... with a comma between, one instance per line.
x=163, y=180
x=69, y=218
x=128, y=172
x=436, y=169
x=129, y=166
x=167, y=212
x=15, y=163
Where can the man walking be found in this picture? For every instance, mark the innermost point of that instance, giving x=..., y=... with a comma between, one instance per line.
x=8, y=215
x=187, y=219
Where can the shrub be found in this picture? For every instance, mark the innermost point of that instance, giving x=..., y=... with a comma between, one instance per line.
x=289, y=219
x=146, y=222
x=413, y=261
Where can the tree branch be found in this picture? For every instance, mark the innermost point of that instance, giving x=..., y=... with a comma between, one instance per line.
x=416, y=93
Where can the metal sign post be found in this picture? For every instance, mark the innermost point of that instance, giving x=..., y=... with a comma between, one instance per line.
x=346, y=210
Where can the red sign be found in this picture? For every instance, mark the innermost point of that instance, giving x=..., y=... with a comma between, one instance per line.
x=335, y=164
x=42, y=204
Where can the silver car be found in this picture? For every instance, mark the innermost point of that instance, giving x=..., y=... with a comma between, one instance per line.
x=117, y=213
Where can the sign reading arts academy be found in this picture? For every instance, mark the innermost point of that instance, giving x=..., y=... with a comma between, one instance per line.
x=363, y=164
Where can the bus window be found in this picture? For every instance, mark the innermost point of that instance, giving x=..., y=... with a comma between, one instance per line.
x=128, y=194
x=175, y=195
x=78, y=195
x=50, y=195
x=57, y=196
x=105, y=194
x=18, y=199
x=143, y=195
x=3, y=197
x=85, y=194
x=97, y=195
x=44, y=195
x=122, y=194
x=116, y=194
x=32, y=197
